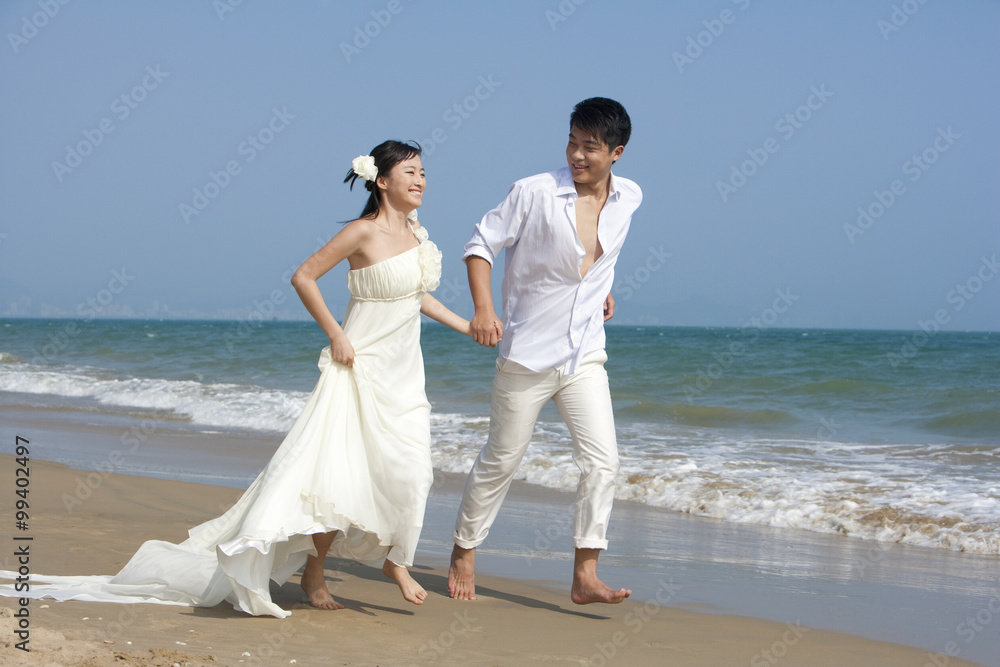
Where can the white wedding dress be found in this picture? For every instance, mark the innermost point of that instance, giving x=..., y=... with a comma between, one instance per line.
x=357, y=460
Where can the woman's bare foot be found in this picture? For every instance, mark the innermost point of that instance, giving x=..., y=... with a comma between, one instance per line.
x=313, y=580
x=412, y=591
x=587, y=587
x=314, y=584
x=462, y=574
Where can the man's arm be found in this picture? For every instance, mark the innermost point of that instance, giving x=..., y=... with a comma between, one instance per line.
x=486, y=326
x=609, y=307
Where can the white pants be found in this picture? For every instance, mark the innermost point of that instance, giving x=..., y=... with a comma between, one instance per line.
x=584, y=401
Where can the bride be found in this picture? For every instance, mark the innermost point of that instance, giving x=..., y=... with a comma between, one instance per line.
x=352, y=476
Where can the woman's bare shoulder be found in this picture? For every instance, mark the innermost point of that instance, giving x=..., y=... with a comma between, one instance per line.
x=357, y=231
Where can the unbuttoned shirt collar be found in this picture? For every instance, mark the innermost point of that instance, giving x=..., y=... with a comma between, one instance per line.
x=566, y=187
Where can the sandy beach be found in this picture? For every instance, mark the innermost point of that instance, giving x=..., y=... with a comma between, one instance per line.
x=88, y=522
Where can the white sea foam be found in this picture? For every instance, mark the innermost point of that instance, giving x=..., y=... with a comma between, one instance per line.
x=923, y=495
x=221, y=405
x=858, y=490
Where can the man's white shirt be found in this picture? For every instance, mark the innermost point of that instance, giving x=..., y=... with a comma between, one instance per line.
x=552, y=317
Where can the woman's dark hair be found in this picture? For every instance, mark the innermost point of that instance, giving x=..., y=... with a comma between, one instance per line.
x=387, y=155
x=605, y=119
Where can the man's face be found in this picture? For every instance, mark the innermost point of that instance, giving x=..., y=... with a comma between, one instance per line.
x=589, y=158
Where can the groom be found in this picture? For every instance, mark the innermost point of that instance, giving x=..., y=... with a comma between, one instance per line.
x=561, y=232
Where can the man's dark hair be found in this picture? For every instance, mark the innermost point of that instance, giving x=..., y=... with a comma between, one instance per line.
x=605, y=119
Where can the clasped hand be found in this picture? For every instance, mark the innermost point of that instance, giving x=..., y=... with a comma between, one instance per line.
x=486, y=329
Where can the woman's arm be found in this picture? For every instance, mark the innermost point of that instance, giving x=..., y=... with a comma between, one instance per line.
x=439, y=312
x=346, y=243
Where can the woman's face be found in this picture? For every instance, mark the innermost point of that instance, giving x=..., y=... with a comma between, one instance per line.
x=405, y=183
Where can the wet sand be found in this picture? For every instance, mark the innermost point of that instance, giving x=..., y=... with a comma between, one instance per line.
x=706, y=592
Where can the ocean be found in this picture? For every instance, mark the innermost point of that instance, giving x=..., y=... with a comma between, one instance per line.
x=873, y=435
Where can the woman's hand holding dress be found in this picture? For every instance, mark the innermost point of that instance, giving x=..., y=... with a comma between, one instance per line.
x=341, y=349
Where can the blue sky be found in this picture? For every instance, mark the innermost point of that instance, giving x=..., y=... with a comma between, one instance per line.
x=806, y=164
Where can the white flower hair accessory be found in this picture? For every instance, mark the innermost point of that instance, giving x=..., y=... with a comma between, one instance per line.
x=364, y=166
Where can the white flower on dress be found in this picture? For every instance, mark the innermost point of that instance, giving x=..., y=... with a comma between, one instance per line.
x=412, y=215
x=429, y=258
x=364, y=166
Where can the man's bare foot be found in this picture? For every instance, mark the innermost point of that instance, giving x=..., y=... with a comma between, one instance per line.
x=462, y=574
x=587, y=592
x=314, y=584
x=412, y=591
x=587, y=588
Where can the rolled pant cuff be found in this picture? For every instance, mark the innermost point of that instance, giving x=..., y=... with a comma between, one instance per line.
x=589, y=543
x=467, y=544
